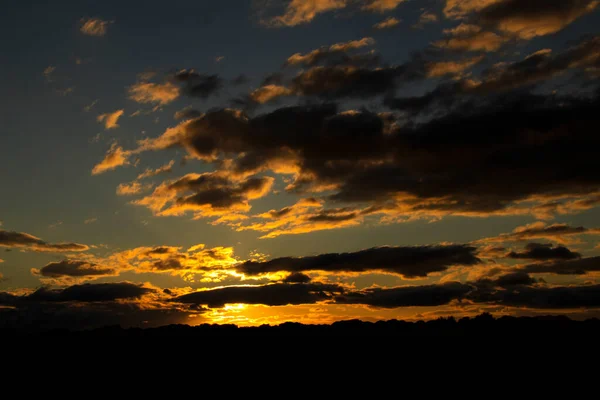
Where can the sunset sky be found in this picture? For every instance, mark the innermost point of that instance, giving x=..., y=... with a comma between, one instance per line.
x=263, y=161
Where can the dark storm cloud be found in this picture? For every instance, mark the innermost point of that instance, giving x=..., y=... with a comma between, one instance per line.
x=278, y=294
x=542, y=252
x=75, y=268
x=410, y=262
x=89, y=292
x=407, y=296
x=25, y=241
x=579, y=266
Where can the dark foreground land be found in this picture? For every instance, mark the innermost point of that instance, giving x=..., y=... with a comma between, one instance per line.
x=480, y=326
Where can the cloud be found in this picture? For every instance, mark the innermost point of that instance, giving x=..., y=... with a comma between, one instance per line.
x=536, y=17
x=539, y=297
x=158, y=93
x=542, y=252
x=566, y=266
x=307, y=215
x=541, y=65
x=560, y=233
x=198, y=85
x=211, y=262
x=25, y=241
x=115, y=157
x=268, y=93
x=467, y=37
x=443, y=68
x=387, y=23
x=408, y=262
x=89, y=292
x=74, y=269
x=132, y=188
x=206, y=195
x=460, y=8
x=187, y=113
x=149, y=172
x=94, y=26
x=367, y=167
x=334, y=54
x=278, y=294
x=381, y=5
x=110, y=120
x=346, y=81
x=426, y=18
x=407, y=296
x=303, y=11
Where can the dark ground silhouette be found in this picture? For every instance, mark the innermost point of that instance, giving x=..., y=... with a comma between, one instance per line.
x=481, y=326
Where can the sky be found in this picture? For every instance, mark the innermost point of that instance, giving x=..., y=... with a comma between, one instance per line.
x=264, y=161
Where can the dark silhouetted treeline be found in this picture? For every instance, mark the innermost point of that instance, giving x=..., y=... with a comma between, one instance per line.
x=480, y=326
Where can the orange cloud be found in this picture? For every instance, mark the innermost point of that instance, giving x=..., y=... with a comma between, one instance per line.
x=115, y=157
x=269, y=92
x=387, y=23
x=149, y=173
x=311, y=57
x=129, y=189
x=307, y=215
x=538, y=18
x=146, y=92
x=381, y=5
x=471, y=38
x=303, y=11
x=110, y=119
x=461, y=8
x=94, y=27
x=212, y=194
x=442, y=68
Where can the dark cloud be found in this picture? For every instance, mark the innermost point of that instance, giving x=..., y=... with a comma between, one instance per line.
x=346, y=82
x=19, y=240
x=278, y=294
x=580, y=266
x=199, y=85
x=297, y=277
x=541, y=66
x=75, y=269
x=89, y=293
x=448, y=166
x=541, y=297
x=561, y=233
x=539, y=251
x=410, y=262
x=407, y=296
